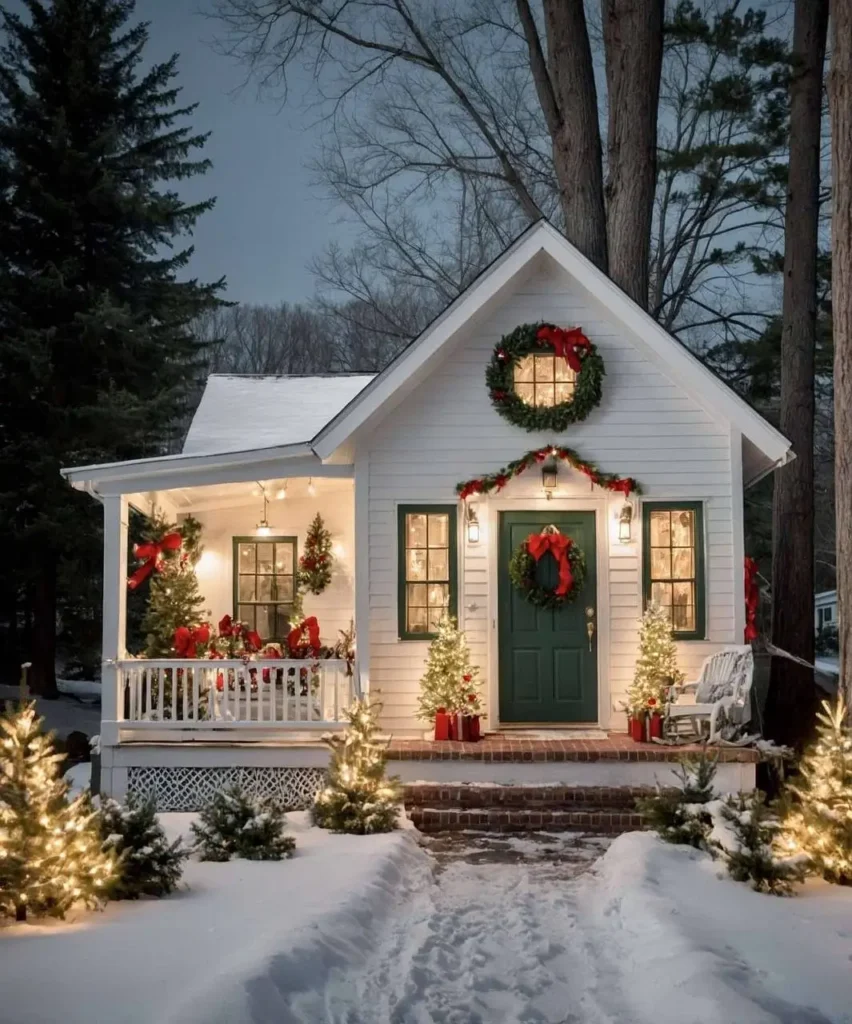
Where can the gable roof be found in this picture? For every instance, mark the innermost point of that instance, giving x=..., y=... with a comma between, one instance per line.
x=402, y=375
x=240, y=412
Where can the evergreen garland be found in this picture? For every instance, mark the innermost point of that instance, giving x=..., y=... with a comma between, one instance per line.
x=315, y=563
x=534, y=339
x=523, y=572
x=234, y=824
x=148, y=864
x=358, y=797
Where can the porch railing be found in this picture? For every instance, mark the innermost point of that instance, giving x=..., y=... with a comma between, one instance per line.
x=216, y=694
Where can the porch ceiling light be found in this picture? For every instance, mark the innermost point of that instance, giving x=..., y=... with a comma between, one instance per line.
x=625, y=521
x=311, y=489
x=281, y=493
x=263, y=529
x=549, y=479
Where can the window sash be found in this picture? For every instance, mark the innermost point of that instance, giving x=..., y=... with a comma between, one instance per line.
x=264, y=597
x=427, y=569
x=544, y=380
x=675, y=569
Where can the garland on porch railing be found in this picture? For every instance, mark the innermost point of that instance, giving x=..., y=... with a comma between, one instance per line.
x=625, y=485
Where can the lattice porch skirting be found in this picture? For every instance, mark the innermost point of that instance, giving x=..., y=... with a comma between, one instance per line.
x=189, y=789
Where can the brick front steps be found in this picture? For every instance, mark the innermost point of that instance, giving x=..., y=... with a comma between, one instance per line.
x=452, y=808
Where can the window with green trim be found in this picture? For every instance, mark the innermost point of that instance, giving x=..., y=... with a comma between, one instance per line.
x=673, y=564
x=427, y=568
x=265, y=584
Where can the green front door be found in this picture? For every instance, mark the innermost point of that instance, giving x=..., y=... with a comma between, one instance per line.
x=548, y=665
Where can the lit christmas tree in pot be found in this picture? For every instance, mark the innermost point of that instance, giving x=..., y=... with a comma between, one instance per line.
x=449, y=684
x=656, y=664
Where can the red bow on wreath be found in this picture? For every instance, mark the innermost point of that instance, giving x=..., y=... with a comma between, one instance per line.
x=558, y=545
x=186, y=639
x=752, y=597
x=295, y=641
x=565, y=343
x=153, y=553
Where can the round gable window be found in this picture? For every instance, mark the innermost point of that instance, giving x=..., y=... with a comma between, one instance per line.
x=544, y=380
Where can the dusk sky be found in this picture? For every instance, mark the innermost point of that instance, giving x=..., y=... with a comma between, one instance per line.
x=269, y=218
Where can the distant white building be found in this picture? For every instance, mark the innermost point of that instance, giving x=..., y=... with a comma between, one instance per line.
x=825, y=609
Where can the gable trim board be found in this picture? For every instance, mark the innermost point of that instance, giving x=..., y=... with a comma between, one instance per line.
x=672, y=358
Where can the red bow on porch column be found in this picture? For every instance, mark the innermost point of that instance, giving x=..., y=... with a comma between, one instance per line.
x=186, y=639
x=565, y=343
x=752, y=597
x=153, y=554
x=558, y=545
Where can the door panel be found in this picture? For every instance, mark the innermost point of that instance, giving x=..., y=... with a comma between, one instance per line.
x=547, y=671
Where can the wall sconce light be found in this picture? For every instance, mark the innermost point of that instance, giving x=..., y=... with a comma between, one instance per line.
x=625, y=520
x=549, y=479
x=263, y=529
x=472, y=524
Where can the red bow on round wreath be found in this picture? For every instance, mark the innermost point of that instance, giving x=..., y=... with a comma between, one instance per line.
x=558, y=545
x=186, y=639
x=752, y=597
x=565, y=343
x=294, y=639
x=153, y=554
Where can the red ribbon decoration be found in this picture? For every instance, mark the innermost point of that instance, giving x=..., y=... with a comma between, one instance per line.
x=153, y=553
x=295, y=642
x=538, y=544
x=186, y=639
x=752, y=597
x=566, y=344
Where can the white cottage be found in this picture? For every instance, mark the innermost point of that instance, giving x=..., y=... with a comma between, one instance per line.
x=382, y=459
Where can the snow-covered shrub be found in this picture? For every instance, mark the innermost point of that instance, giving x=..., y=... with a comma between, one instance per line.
x=149, y=865
x=678, y=814
x=234, y=824
x=745, y=835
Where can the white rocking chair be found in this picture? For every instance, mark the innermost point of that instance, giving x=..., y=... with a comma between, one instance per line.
x=719, y=698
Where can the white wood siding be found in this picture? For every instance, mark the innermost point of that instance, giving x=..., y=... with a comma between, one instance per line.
x=447, y=431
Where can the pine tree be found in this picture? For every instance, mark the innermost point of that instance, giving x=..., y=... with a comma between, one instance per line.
x=656, y=666
x=819, y=824
x=450, y=678
x=234, y=824
x=50, y=848
x=173, y=599
x=677, y=813
x=96, y=342
x=315, y=563
x=358, y=798
x=148, y=864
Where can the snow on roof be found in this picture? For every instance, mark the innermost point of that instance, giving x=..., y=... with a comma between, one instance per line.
x=241, y=412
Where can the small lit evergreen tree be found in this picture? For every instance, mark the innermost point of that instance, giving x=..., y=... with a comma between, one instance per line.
x=149, y=865
x=50, y=847
x=173, y=599
x=358, y=798
x=315, y=563
x=234, y=824
x=450, y=678
x=819, y=824
x=676, y=813
x=656, y=665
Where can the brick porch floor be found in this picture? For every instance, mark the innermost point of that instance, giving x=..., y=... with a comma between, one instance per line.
x=500, y=747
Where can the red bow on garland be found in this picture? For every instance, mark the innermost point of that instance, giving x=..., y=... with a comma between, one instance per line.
x=752, y=597
x=153, y=553
x=295, y=641
x=538, y=544
x=567, y=344
x=186, y=640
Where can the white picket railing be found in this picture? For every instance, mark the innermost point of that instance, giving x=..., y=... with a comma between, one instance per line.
x=203, y=694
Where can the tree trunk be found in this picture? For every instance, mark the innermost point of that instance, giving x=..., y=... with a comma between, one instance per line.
x=633, y=42
x=792, y=696
x=43, y=673
x=840, y=102
x=577, y=153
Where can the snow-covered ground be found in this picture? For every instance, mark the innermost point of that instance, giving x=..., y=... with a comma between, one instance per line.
x=479, y=929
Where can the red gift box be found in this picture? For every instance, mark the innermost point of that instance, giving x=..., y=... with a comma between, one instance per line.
x=637, y=728
x=442, y=725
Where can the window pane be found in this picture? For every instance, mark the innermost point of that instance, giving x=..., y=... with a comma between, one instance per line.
x=661, y=563
x=439, y=531
x=683, y=533
x=246, y=557
x=439, y=595
x=263, y=620
x=416, y=531
x=439, y=564
x=264, y=588
x=284, y=558
x=284, y=588
x=660, y=529
x=416, y=569
x=661, y=594
x=246, y=588
x=684, y=606
x=417, y=595
x=564, y=393
x=526, y=393
x=682, y=564
x=435, y=616
x=245, y=613
x=264, y=558
x=564, y=371
x=524, y=370
x=543, y=368
x=282, y=622
x=417, y=620
x=544, y=395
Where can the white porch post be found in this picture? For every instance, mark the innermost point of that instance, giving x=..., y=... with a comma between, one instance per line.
x=114, y=612
x=362, y=573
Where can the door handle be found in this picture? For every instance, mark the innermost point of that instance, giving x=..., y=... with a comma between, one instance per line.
x=590, y=624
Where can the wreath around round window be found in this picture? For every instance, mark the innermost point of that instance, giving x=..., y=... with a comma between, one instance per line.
x=544, y=339
x=569, y=559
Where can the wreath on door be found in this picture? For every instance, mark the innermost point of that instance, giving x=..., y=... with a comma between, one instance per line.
x=569, y=559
